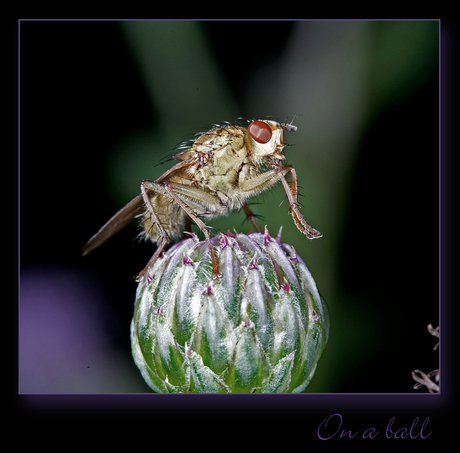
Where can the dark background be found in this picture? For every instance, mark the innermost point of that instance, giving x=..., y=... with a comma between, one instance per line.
x=81, y=93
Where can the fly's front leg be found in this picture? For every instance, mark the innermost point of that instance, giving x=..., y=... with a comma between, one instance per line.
x=291, y=193
x=199, y=222
x=146, y=187
x=257, y=184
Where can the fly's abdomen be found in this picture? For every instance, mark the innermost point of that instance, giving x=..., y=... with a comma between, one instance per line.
x=171, y=216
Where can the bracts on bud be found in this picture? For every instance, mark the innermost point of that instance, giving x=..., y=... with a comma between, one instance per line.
x=260, y=327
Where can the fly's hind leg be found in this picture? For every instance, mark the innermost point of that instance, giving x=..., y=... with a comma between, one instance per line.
x=203, y=227
x=146, y=188
x=188, y=224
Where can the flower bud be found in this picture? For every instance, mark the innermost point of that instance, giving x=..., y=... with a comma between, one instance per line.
x=260, y=327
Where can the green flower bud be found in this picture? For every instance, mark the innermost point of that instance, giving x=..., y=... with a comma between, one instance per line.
x=260, y=327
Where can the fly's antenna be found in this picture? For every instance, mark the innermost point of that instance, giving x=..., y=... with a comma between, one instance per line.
x=289, y=127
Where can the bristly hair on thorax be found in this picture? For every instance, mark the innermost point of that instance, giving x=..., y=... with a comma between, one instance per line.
x=241, y=121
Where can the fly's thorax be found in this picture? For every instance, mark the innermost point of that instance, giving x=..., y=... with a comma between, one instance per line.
x=218, y=137
x=227, y=160
x=216, y=151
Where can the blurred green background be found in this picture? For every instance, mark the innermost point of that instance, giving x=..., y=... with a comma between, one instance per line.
x=103, y=101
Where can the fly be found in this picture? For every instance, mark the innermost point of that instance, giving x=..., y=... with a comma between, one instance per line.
x=216, y=175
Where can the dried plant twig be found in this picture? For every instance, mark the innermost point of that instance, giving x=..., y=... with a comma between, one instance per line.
x=423, y=379
x=435, y=333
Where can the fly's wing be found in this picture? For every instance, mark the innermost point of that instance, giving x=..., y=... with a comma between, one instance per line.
x=180, y=170
x=119, y=221
x=124, y=216
x=184, y=154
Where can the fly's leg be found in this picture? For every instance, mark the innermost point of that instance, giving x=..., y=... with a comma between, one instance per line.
x=201, y=225
x=291, y=193
x=146, y=187
x=254, y=185
x=188, y=224
x=251, y=217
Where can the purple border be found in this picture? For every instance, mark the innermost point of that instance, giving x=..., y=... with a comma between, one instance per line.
x=303, y=402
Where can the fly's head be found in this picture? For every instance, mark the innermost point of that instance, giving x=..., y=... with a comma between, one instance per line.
x=265, y=139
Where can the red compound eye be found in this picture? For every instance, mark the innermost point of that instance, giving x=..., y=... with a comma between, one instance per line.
x=261, y=132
